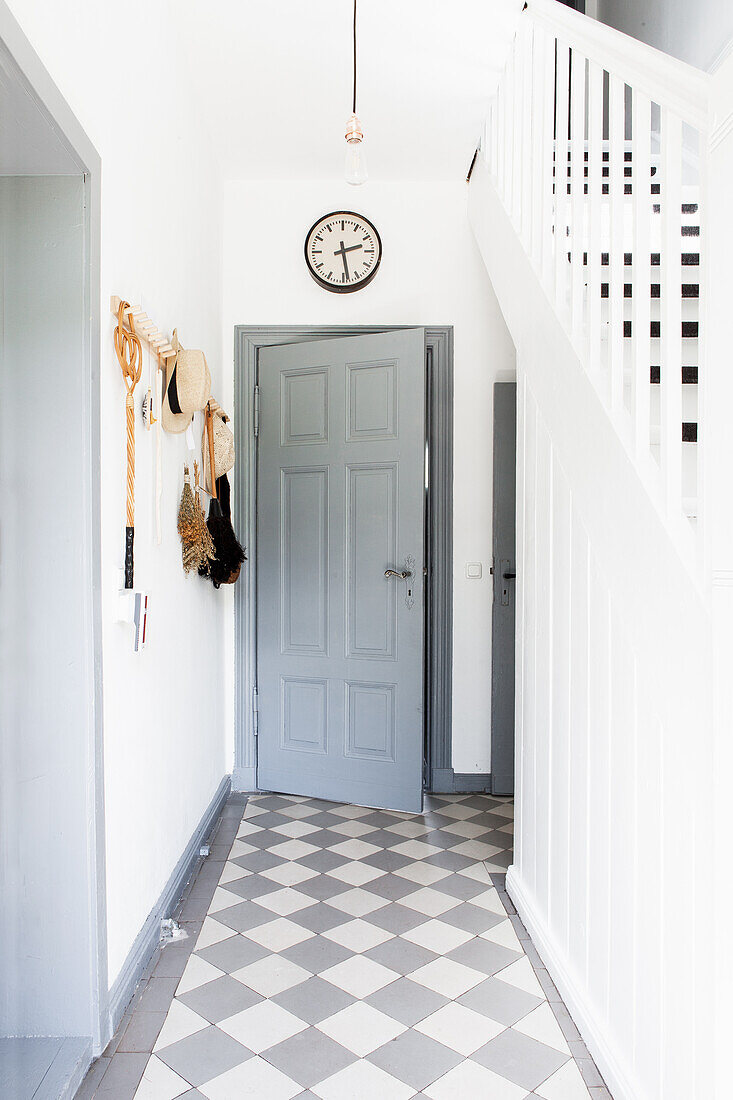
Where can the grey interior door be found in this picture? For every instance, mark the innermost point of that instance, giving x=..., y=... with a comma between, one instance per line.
x=503, y=616
x=340, y=499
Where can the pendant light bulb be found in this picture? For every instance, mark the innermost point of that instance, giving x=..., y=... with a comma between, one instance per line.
x=355, y=169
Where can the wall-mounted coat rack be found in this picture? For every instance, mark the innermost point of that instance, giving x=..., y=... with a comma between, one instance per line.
x=146, y=329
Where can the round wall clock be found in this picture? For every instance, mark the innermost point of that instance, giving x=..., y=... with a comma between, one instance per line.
x=342, y=251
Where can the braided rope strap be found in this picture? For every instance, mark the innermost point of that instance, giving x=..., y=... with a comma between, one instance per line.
x=130, y=357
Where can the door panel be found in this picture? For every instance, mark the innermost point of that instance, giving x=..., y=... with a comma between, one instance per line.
x=505, y=588
x=340, y=501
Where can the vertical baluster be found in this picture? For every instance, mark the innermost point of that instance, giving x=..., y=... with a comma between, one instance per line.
x=595, y=207
x=500, y=123
x=561, y=178
x=616, y=133
x=641, y=167
x=549, y=160
x=539, y=45
x=518, y=147
x=703, y=246
x=509, y=106
x=671, y=309
x=577, y=164
x=528, y=142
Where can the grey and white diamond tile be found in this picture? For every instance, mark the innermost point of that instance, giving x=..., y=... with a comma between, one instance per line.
x=351, y=952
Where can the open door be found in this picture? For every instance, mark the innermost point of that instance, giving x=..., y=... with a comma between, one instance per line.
x=341, y=489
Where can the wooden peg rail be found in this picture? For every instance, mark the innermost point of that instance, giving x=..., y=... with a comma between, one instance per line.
x=145, y=328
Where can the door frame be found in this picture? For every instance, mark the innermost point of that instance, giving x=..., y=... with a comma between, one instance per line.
x=438, y=646
x=22, y=59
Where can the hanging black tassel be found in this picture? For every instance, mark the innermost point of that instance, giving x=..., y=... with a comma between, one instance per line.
x=225, y=567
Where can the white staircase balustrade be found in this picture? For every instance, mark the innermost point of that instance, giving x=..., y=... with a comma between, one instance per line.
x=597, y=146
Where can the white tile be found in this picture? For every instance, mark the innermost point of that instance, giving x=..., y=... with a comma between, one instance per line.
x=566, y=1084
x=289, y=874
x=357, y=935
x=223, y=899
x=476, y=849
x=445, y=976
x=355, y=849
x=490, y=900
x=278, y=934
x=180, y=1022
x=241, y=848
x=232, y=872
x=469, y=1080
x=504, y=935
x=359, y=976
x=355, y=873
x=457, y=810
x=409, y=829
x=262, y=1026
x=541, y=1025
x=509, y=828
x=506, y=809
x=159, y=1082
x=198, y=972
x=295, y=829
x=459, y=1028
x=416, y=849
x=353, y=827
x=424, y=873
x=247, y=828
x=254, y=1079
x=521, y=975
x=299, y=810
x=285, y=901
x=253, y=809
x=212, y=932
x=362, y=1081
x=351, y=811
x=361, y=1029
x=271, y=975
x=468, y=829
x=293, y=849
x=437, y=936
x=430, y=902
x=477, y=872
x=357, y=902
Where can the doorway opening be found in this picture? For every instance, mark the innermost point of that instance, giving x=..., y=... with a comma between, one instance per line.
x=52, y=913
x=437, y=379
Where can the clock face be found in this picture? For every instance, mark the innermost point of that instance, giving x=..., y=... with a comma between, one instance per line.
x=342, y=251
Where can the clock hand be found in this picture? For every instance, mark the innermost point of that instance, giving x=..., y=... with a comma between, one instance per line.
x=353, y=247
x=342, y=253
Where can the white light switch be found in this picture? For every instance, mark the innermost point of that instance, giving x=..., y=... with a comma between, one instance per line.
x=473, y=570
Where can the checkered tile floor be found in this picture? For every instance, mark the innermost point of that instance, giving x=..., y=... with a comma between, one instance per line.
x=354, y=954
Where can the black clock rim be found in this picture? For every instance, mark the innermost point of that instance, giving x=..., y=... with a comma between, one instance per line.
x=322, y=282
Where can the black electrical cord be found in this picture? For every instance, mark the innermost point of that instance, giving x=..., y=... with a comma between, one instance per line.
x=353, y=106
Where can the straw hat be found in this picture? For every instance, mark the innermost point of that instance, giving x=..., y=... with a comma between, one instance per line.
x=187, y=387
x=223, y=443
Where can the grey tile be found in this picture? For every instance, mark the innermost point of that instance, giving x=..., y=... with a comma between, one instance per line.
x=484, y=956
x=471, y=918
x=233, y=953
x=518, y=927
x=192, y=1094
x=266, y=838
x=548, y=986
x=122, y=1077
x=451, y=861
x=387, y=861
x=158, y=995
x=458, y=886
x=379, y=819
x=313, y=1000
x=142, y=1031
x=204, y=1055
x=272, y=802
x=322, y=861
x=257, y=861
x=500, y=1001
x=317, y=954
x=325, y=838
x=392, y=887
x=520, y=1058
x=252, y=886
x=396, y=918
x=501, y=859
x=172, y=963
x=309, y=1057
x=270, y=820
x=324, y=887
x=196, y=908
x=219, y=853
x=415, y=1059
x=589, y=1072
x=406, y=1001
x=245, y=915
x=441, y=839
x=320, y=917
x=326, y=819
x=401, y=955
x=565, y=1020
x=599, y=1093
x=95, y=1073
x=384, y=839
x=219, y=999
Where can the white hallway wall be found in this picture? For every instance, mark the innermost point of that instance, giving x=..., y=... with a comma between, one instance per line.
x=431, y=273
x=164, y=711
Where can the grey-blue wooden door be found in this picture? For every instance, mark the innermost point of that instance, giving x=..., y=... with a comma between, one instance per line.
x=340, y=500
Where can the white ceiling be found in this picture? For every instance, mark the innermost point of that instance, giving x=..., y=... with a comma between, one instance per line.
x=273, y=81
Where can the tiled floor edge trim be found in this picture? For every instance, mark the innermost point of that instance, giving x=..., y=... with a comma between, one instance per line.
x=586, y=1062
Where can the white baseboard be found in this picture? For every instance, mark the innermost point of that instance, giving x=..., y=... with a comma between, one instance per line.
x=244, y=779
x=590, y=1028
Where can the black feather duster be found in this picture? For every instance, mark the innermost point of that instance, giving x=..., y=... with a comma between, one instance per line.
x=225, y=567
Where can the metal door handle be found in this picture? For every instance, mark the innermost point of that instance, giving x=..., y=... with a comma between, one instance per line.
x=400, y=576
x=509, y=576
